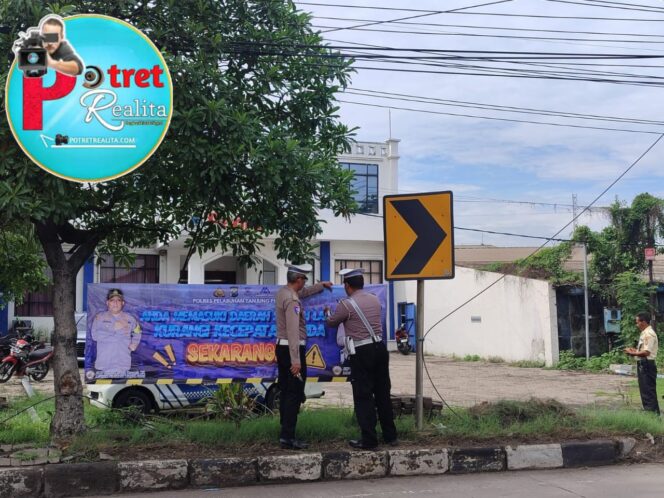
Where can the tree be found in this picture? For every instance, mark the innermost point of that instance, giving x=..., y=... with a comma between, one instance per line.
x=22, y=268
x=620, y=246
x=254, y=135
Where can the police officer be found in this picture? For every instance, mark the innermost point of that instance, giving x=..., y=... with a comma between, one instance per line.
x=369, y=360
x=291, y=342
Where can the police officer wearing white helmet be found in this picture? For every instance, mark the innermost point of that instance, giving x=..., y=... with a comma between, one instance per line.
x=291, y=342
x=369, y=360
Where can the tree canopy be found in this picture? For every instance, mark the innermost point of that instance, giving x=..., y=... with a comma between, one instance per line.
x=254, y=136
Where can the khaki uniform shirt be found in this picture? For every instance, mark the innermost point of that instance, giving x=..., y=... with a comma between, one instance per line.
x=648, y=342
x=346, y=314
x=290, y=317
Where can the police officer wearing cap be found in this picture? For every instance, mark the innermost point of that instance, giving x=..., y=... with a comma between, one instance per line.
x=291, y=342
x=117, y=334
x=369, y=360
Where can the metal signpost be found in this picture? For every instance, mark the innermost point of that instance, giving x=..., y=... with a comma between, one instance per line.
x=419, y=245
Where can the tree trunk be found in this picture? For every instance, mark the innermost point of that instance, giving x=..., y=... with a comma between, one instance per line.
x=68, y=418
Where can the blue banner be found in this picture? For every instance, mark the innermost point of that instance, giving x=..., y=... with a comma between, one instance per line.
x=162, y=333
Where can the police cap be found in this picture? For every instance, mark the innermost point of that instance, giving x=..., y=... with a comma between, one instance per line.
x=350, y=273
x=300, y=269
x=114, y=293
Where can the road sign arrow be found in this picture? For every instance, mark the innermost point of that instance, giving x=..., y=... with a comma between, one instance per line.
x=429, y=236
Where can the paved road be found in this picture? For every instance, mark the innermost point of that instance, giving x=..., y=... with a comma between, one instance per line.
x=644, y=480
x=463, y=383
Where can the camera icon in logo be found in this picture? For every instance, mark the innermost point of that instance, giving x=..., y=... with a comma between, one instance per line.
x=93, y=76
x=61, y=139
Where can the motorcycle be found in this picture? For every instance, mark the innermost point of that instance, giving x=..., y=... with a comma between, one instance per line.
x=403, y=340
x=26, y=357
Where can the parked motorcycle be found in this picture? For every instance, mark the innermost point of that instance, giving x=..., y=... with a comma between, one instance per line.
x=18, y=330
x=403, y=340
x=26, y=357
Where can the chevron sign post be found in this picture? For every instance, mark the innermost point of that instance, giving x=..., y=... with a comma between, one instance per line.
x=419, y=236
x=419, y=245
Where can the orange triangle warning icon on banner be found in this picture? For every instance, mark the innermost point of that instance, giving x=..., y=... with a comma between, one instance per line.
x=314, y=358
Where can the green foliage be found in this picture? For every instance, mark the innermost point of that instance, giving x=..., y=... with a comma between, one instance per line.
x=231, y=402
x=509, y=412
x=619, y=247
x=528, y=364
x=17, y=426
x=496, y=266
x=22, y=267
x=633, y=294
x=255, y=134
x=568, y=361
x=547, y=263
x=472, y=357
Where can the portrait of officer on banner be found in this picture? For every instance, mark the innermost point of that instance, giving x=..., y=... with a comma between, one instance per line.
x=117, y=335
x=46, y=47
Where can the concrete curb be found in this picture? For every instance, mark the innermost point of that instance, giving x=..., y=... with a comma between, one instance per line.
x=82, y=479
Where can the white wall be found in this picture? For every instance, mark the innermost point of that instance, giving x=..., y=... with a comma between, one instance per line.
x=518, y=317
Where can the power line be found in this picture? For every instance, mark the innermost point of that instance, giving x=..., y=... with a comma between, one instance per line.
x=497, y=14
x=496, y=107
x=484, y=35
x=548, y=239
x=509, y=54
x=418, y=15
x=501, y=28
x=524, y=121
x=649, y=9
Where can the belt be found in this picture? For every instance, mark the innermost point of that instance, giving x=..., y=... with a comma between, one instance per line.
x=364, y=342
x=284, y=342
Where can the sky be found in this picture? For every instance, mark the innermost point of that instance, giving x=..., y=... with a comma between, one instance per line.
x=507, y=176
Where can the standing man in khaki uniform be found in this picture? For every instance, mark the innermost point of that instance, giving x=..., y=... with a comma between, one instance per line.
x=291, y=342
x=369, y=360
x=646, y=369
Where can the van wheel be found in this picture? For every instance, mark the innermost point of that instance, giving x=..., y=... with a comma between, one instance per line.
x=273, y=397
x=136, y=398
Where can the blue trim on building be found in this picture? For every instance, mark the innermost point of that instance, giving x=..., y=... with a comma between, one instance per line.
x=325, y=261
x=88, y=278
x=4, y=320
x=391, y=301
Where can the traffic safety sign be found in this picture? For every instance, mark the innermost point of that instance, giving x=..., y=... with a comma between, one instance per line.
x=419, y=236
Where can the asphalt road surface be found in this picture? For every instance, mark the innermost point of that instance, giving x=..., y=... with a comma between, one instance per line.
x=617, y=481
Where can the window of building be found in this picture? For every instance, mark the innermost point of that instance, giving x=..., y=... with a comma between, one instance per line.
x=365, y=186
x=383, y=151
x=373, y=269
x=145, y=270
x=269, y=275
x=37, y=303
x=360, y=149
x=372, y=150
